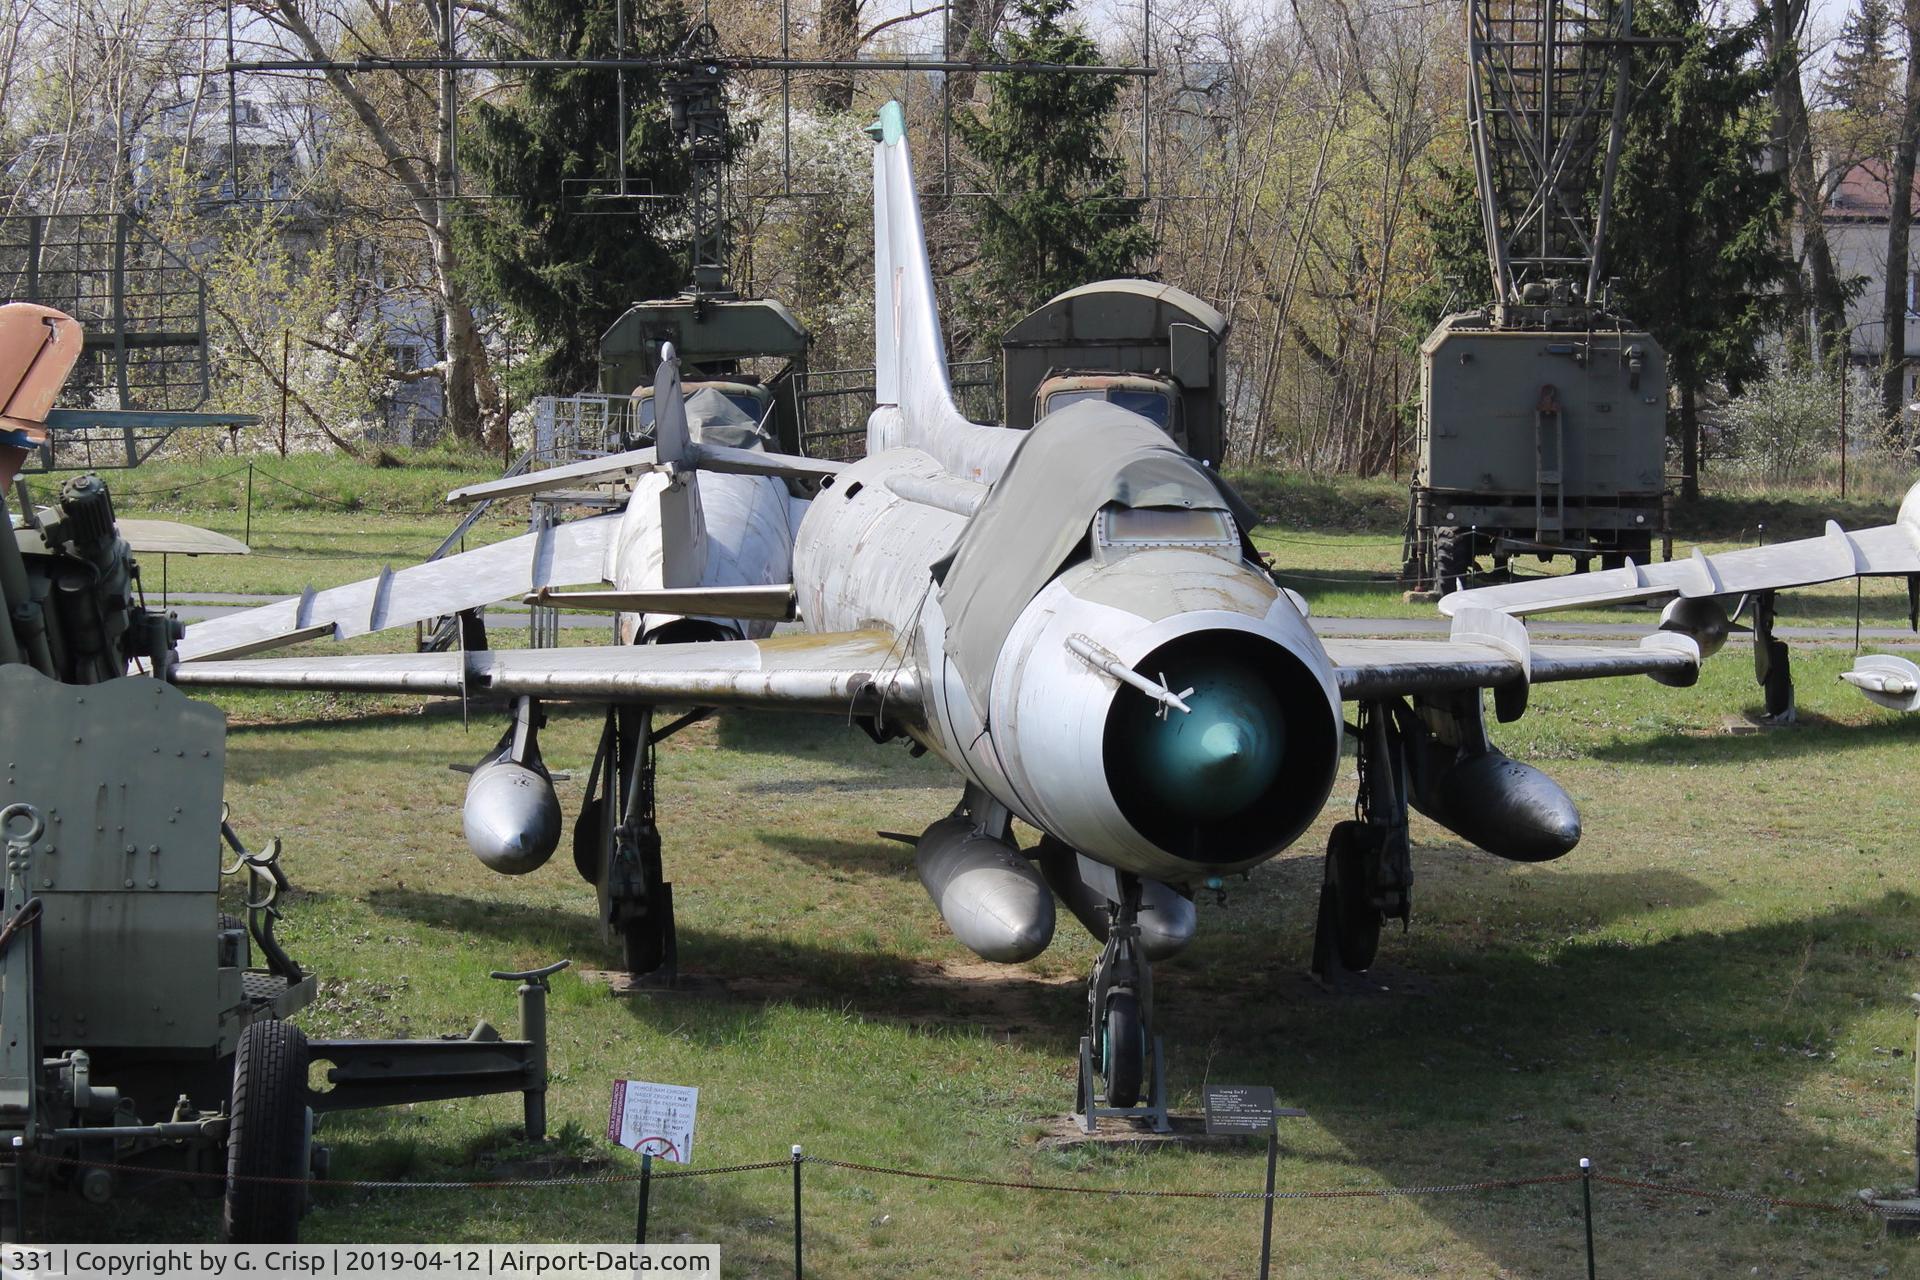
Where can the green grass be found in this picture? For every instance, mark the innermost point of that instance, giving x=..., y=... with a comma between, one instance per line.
x=1708, y=991
x=1702, y=993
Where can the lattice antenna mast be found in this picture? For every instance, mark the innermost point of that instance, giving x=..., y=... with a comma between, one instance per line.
x=696, y=96
x=1548, y=95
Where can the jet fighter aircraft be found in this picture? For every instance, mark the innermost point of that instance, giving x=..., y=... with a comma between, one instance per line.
x=1072, y=617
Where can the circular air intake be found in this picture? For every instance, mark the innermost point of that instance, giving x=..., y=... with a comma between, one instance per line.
x=1242, y=773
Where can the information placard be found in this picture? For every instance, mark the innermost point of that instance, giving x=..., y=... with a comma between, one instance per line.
x=654, y=1119
x=1240, y=1108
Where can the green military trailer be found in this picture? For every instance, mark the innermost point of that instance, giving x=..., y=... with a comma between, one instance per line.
x=718, y=339
x=1143, y=345
x=140, y=1041
x=1542, y=432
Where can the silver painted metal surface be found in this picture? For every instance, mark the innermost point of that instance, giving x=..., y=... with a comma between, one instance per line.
x=1884, y=549
x=830, y=673
x=985, y=889
x=1891, y=682
x=566, y=555
x=587, y=471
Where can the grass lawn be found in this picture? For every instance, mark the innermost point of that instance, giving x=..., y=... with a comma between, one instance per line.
x=1711, y=990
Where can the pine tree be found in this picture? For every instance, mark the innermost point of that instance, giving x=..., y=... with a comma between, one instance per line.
x=1058, y=215
x=1696, y=225
x=1460, y=277
x=557, y=246
x=1863, y=77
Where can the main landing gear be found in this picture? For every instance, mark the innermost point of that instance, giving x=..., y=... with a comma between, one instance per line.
x=1369, y=869
x=1770, y=665
x=616, y=842
x=1121, y=1058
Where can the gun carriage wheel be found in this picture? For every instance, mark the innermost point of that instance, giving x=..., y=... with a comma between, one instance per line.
x=269, y=1137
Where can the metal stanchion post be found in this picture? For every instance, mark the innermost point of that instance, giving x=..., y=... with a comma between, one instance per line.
x=1266, y=1228
x=799, y=1158
x=249, y=538
x=646, y=1186
x=1586, y=1205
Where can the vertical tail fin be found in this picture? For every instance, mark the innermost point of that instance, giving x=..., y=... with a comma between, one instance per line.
x=682, y=522
x=913, y=399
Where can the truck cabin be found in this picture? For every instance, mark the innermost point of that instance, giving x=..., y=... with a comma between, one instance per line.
x=1153, y=397
x=753, y=399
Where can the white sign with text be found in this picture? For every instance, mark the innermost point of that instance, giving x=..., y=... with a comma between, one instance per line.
x=654, y=1119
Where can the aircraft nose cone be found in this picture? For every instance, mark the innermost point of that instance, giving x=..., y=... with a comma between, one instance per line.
x=1218, y=759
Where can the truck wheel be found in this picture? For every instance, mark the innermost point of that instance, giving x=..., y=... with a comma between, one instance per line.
x=267, y=1137
x=1452, y=558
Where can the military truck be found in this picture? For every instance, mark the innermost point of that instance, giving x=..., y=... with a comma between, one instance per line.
x=1148, y=346
x=718, y=339
x=754, y=399
x=1542, y=425
x=1542, y=431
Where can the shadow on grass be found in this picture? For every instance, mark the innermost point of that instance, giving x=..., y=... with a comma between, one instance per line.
x=1813, y=735
x=889, y=859
x=1679, y=1060
x=731, y=977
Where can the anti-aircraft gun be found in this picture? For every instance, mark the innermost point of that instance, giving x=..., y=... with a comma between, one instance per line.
x=142, y=1031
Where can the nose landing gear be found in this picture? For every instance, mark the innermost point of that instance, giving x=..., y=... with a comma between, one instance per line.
x=1121, y=1056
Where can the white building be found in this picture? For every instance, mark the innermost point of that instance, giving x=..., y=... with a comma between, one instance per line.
x=1856, y=226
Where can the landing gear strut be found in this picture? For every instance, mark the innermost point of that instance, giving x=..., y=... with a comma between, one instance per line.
x=1369, y=869
x=616, y=843
x=1770, y=666
x=1120, y=1056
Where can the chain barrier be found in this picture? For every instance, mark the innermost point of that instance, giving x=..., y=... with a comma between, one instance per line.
x=120, y=494
x=379, y=1184
x=1498, y=1184
x=1752, y=1198
x=1849, y=1207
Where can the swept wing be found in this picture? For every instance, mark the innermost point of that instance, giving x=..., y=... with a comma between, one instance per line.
x=1488, y=649
x=833, y=673
x=571, y=554
x=1882, y=550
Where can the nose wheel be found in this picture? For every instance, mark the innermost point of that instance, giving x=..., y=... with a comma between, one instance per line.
x=1120, y=1056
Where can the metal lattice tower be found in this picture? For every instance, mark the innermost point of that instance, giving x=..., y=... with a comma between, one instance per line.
x=697, y=97
x=1549, y=93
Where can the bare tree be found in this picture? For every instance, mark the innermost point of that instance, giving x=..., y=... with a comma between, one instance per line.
x=407, y=122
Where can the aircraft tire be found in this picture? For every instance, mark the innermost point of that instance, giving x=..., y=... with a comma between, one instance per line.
x=1357, y=937
x=1124, y=1052
x=643, y=947
x=267, y=1137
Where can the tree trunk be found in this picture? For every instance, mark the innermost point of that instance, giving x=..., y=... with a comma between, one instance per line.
x=1793, y=144
x=1893, y=302
x=839, y=39
x=1689, y=442
x=427, y=182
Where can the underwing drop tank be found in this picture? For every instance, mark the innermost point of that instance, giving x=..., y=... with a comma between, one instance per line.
x=511, y=815
x=985, y=889
x=1459, y=779
x=1167, y=918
